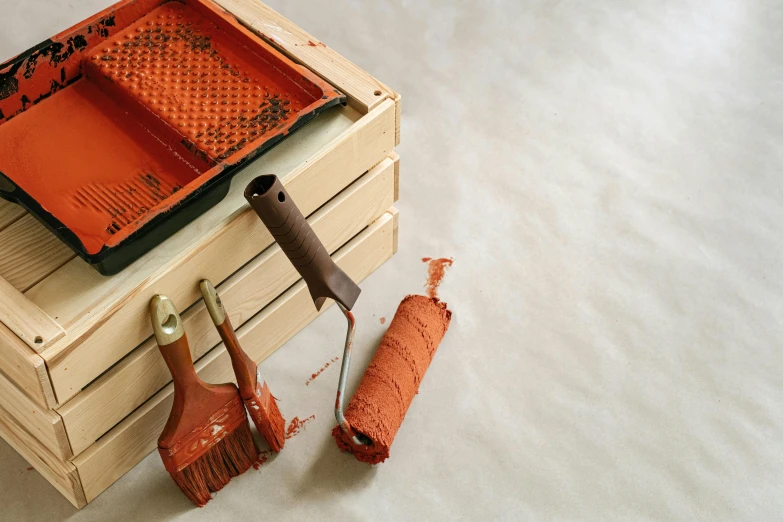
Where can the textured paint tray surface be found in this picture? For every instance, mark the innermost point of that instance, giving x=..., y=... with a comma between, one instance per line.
x=181, y=67
x=158, y=114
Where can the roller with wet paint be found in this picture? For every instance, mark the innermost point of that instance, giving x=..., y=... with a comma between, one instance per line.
x=118, y=132
x=368, y=425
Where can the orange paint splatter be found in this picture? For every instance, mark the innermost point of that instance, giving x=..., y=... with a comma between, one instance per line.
x=263, y=456
x=319, y=372
x=435, y=273
x=383, y=320
x=296, y=426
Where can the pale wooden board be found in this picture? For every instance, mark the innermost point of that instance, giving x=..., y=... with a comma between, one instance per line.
x=142, y=373
x=31, y=324
x=396, y=158
x=25, y=368
x=396, y=224
x=44, y=424
x=63, y=475
x=365, y=92
x=90, y=349
x=397, y=117
x=29, y=253
x=9, y=213
x=135, y=437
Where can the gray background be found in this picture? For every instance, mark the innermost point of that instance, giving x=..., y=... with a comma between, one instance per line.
x=606, y=175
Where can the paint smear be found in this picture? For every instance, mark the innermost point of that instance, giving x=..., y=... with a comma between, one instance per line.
x=30, y=469
x=383, y=320
x=296, y=426
x=319, y=372
x=435, y=273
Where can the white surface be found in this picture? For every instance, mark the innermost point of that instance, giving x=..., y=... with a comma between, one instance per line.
x=607, y=177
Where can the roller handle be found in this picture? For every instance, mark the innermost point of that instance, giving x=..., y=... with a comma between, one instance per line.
x=288, y=226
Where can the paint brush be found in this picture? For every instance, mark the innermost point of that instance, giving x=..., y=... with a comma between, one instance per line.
x=207, y=438
x=254, y=390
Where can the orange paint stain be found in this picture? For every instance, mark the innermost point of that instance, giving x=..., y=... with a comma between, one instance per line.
x=321, y=370
x=296, y=425
x=263, y=456
x=435, y=273
x=382, y=320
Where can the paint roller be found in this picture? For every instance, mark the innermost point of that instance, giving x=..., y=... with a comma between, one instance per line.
x=376, y=411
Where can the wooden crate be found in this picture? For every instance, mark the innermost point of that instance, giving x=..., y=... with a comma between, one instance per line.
x=77, y=361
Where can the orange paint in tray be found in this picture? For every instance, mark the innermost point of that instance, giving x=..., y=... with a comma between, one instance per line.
x=121, y=130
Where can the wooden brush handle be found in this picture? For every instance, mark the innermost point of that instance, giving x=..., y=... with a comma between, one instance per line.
x=173, y=344
x=288, y=226
x=245, y=369
x=178, y=359
x=194, y=400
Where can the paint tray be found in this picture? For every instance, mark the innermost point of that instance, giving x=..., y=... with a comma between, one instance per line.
x=120, y=131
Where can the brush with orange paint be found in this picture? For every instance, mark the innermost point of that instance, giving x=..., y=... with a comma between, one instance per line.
x=254, y=390
x=207, y=439
x=377, y=409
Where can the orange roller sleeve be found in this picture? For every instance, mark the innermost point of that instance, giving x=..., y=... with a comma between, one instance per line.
x=387, y=388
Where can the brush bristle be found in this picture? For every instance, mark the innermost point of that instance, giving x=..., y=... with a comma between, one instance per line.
x=230, y=457
x=269, y=422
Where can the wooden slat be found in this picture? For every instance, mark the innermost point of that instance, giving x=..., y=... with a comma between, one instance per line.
x=25, y=368
x=45, y=425
x=31, y=324
x=135, y=437
x=396, y=159
x=30, y=252
x=9, y=212
x=395, y=214
x=365, y=92
x=397, y=117
x=142, y=373
x=91, y=349
x=63, y=475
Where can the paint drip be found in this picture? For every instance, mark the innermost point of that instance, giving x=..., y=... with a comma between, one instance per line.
x=435, y=273
x=387, y=388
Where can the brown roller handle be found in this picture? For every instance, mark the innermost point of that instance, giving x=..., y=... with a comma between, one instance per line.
x=288, y=226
